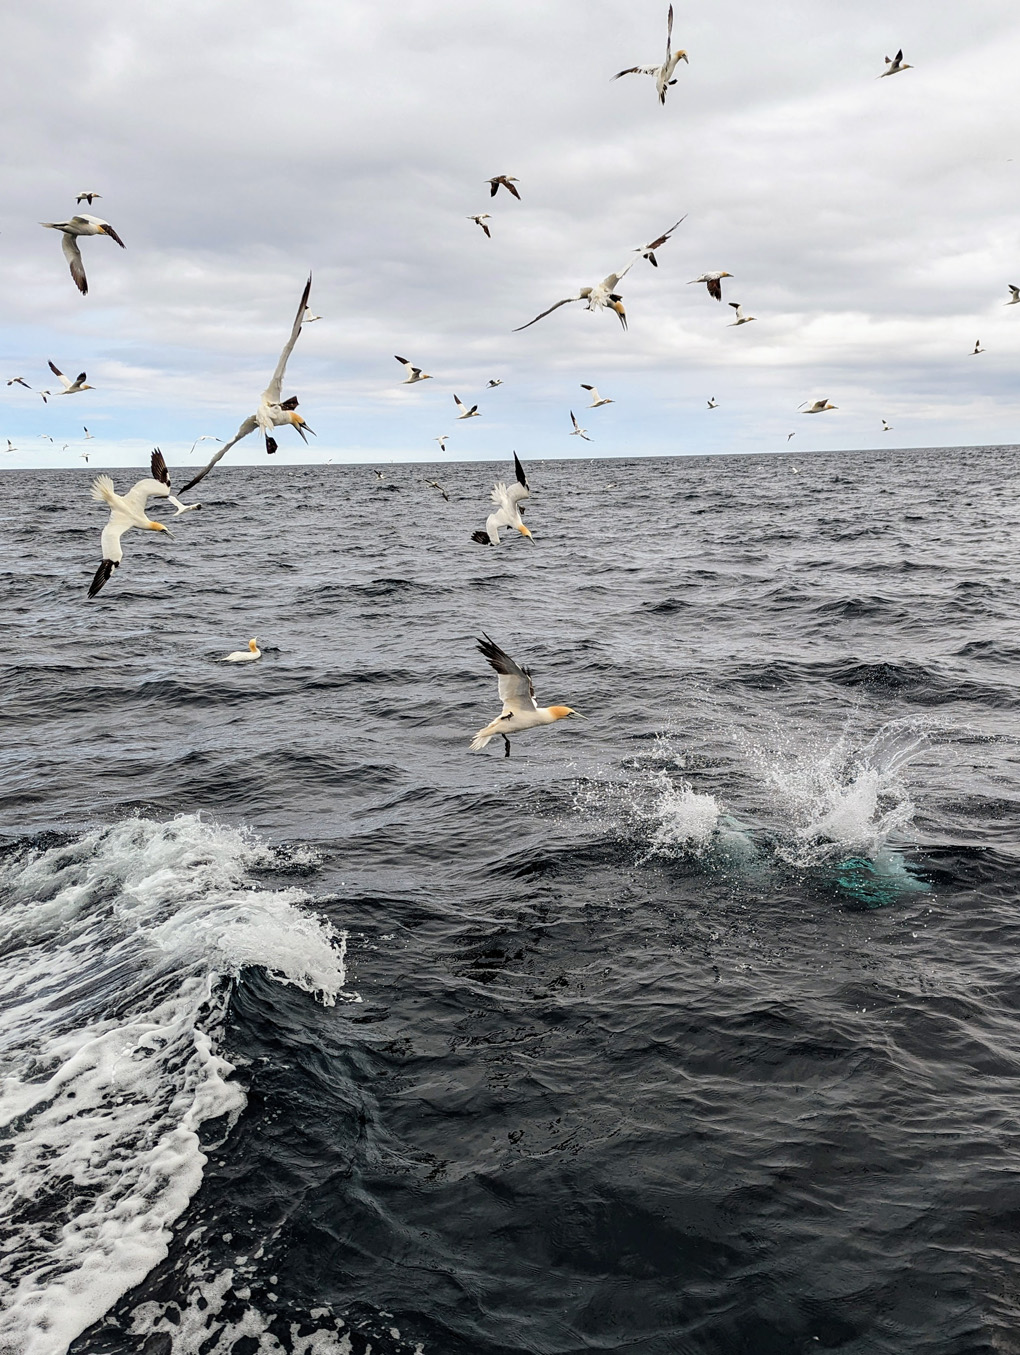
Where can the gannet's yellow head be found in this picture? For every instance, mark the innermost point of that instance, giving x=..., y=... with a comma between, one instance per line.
x=524, y=531
x=682, y=56
x=300, y=424
x=252, y=645
x=159, y=527
x=561, y=712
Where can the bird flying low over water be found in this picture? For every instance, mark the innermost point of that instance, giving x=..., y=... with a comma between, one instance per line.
x=506, y=181
x=434, y=484
x=413, y=373
x=577, y=430
x=596, y=399
x=480, y=220
x=895, y=64
x=713, y=281
x=741, y=319
x=70, y=387
x=508, y=511
x=1013, y=301
x=80, y=225
x=88, y=197
x=648, y=251
x=128, y=510
x=272, y=411
x=602, y=297
x=517, y=692
x=816, y=407
x=663, y=75
x=466, y=413
x=248, y=655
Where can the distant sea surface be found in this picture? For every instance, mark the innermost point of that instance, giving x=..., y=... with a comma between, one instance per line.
x=692, y=1027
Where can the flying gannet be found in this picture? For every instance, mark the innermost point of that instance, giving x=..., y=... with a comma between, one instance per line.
x=19, y=381
x=493, y=382
x=466, y=413
x=508, y=511
x=88, y=435
x=886, y=427
x=1013, y=301
x=84, y=456
x=577, y=430
x=663, y=75
x=977, y=345
x=127, y=511
x=88, y=197
x=272, y=411
x=895, y=65
x=434, y=484
x=596, y=399
x=506, y=181
x=308, y=318
x=480, y=220
x=80, y=225
x=712, y=280
x=10, y=446
x=816, y=407
x=648, y=251
x=248, y=655
x=517, y=692
x=442, y=440
x=713, y=403
x=70, y=387
x=413, y=373
x=601, y=297
x=741, y=319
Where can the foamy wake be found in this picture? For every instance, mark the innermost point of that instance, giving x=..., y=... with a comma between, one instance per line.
x=114, y=969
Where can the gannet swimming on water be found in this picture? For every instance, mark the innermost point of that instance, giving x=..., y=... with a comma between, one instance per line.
x=1013, y=301
x=517, y=692
x=442, y=441
x=88, y=197
x=977, y=344
x=70, y=387
x=88, y=435
x=648, y=251
x=127, y=511
x=493, y=382
x=886, y=427
x=506, y=181
x=480, y=220
x=713, y=403
x=663, y=74
x=713, y=281
x=578, y=431
x=600, y=297
x=596, y=399
x=466, y=413
x=895, y=65
x=272, y=411
x=413, y=373
x=741, y=319
x=816, y=407
x=19, y=381
x=434, y=484
x=508, y=511
x=80, y=225
x=248, y=655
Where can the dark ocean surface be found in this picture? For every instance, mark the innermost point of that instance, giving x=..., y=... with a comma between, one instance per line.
x=693, y=1027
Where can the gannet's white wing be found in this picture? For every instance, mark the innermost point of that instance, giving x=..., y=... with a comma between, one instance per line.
x=637, y=70
x=516, y=690
x=611, y=281
x=158, y=487
x=249, y=426
x=565, y=302
x=66, y=382
x=669, y=31
x=72, y=254
x=273, y=390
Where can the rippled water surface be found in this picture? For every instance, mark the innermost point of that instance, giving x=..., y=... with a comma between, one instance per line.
x=693, y=1027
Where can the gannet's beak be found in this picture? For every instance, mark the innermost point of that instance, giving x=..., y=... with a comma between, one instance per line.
x=683, y=57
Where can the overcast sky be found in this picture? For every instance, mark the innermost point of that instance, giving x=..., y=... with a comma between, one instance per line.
x=871, y=225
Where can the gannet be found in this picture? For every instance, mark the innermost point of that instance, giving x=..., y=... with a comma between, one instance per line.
x=248, y=655
x=977, y=344
x=272, y=412
x=308, y=318
x=480, y=220
x=10, y=446
x=713, y=403
x=886, y=428
x=712, y=280
x=508, y=511
x=517, y=692
x=648, y=251
x=434, y=484
x=413, y=373
x=127, y=511
x=598, y=298
x=206, y=437
x=80, y=225
x=895, y=65
x=466, y=413
x=663, y=74
x=1013, y=301
x=596, y=399
x=442, y=441
x=88, y=435
x=45, y=396
x=46, y=436
x=790, y=435
x=506, y=181
x=88, y=197
x=19, y=381
x=578, y=431
x=70, y=387
x=741, y=319
x=493, y=382
x=816, y=407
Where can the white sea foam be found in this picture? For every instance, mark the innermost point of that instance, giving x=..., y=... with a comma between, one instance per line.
x=115, y=963
x=683, y=819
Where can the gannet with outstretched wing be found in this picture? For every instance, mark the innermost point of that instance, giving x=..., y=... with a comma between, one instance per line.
x=713, y=281
x=517, y=692
x=70, y=387
x=895, y=64
x=128, y=510
x=601, y=297
x=466, y=413
x=80, y=225
x=577, y=431
x=508, y=511
x=596, y=399
x=413, y=373
x=741, y=319
x=648, y=251
x=816, y=407
x=272, y=411
x=663, y=75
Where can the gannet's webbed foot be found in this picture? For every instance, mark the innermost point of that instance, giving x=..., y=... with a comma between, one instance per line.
x=507, y=742
x=270, y=444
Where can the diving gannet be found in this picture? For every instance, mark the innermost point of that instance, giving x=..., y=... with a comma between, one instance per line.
x=601, y=297
x=663, y=75
x=508, y=511
x=127, y=511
